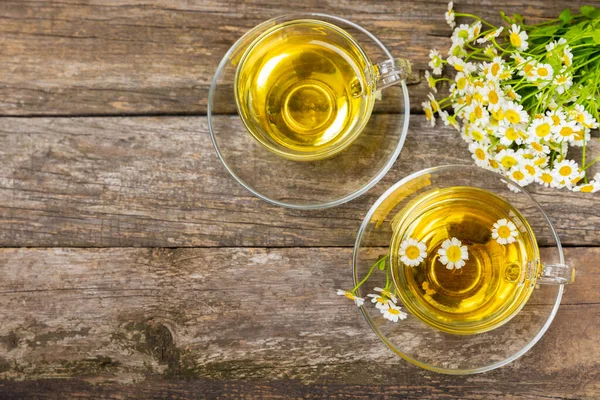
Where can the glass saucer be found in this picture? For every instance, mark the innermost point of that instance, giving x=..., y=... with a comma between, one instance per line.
x=420, y=343
x=307, y=184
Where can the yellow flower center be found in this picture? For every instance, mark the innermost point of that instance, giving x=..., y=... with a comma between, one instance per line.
x=542, y=130
x=459, y=67
x=480, y=154
x=512, y=94
x=546, y=177
x=493, y=97
x=508, y=161
x=435, y=106
x=587, y=188
x=478, y=112
x=460, y=83
x=381, y=300
x=454, y=254
x=566, y=131
x=412, y=252
x=494, y=164
x=540, y=161
x=495, y=69
x=515, y=39
x=477, y=135
x=518, y=175
x=393, y=311
x=428, y=114
x=579, y=135
x=536, y=146
x=498, y=115
x=543, y=71
x=349, y=295
x=511, y=134
x=566, y=60
x=561, y=79
x=565, y=171
x=504, y=232
x=530, y=169
x=513, y=116
x=579, y=117
x=555, y=120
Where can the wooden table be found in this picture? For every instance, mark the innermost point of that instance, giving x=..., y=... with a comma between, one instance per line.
x=134, y=266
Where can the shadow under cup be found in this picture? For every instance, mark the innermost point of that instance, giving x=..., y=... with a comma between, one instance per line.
x=420, y=342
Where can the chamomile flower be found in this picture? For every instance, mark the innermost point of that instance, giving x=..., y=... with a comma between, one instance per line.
x=505, y=231
x=460, y=65
x=450, y=15
x=518, y=38
x=580, y=137
x=476, y=114
x=412, y=252
x=514, y=113
x=453, y=254
x=540, y=129
x=567, y=57
x=431, y=82
x=565, y=131
x=492, y=96
x=543, y=72
x=386, y=293
x=479, y=154
x=449, y=120
x=546, y=178
x=379, y=300
x=563, y=82
x=393, y=313
x=359, y=301
x=428, y=112
x=510, y=92
x=591, y=187
x=510, y=135
x=493, y=70
x=475, y=30
x=461, y=32
x=520, y=175
x=579, y=114
x=566, y=171
x=554, y=44
x=508, y=158
x=491, y=35
x=557, y=116
x=436, y=62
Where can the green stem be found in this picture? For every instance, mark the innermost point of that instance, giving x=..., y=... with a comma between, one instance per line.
x=382, y=259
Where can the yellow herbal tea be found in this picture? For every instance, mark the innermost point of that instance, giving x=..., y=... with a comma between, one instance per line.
x=495, y=281
x=302, y=89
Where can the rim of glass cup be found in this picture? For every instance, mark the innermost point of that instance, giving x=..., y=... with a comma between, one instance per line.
x=311, y=206
x=412, y=360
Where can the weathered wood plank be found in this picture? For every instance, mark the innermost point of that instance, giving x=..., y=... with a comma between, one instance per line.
x=118, y=316
x=157, y=182
x=110, y=57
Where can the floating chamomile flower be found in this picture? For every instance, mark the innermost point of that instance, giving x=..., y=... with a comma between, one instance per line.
x=393, y=312
x=359, y=301
x=453, y=254
x=504, y=231
x=412, y=252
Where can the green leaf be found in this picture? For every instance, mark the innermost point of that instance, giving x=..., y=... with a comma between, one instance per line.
x=590, y=11
x=566, y=16
x=596, y=36
x=381, y=264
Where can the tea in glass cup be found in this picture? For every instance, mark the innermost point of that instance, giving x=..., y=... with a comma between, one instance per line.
x=305, y=88
x=481, y=263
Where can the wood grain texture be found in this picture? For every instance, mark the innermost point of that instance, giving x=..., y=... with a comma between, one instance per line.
x=244, y=321
x=134, y=57
x=157, y=182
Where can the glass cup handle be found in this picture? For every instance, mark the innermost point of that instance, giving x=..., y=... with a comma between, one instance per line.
x=556, y=274
x=392, y=72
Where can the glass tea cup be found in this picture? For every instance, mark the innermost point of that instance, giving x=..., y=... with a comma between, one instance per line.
x=477, y=315
x=346, y=133
x=305, y=88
